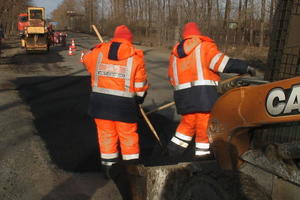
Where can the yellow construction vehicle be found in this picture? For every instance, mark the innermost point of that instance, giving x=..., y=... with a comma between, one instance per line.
x=36, y=33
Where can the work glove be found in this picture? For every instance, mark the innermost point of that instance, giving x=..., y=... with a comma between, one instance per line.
x=251, y=71
x=140, y=100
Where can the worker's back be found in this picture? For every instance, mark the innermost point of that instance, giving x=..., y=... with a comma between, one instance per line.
x=117, y=76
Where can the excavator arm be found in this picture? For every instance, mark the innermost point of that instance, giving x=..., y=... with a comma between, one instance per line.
x=243, y=108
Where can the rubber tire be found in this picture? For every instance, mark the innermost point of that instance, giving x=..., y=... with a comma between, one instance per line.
x=203, y=188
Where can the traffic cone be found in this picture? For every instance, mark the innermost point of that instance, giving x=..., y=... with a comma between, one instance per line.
x=81, y=57
x=73, y=45
x=70, y=51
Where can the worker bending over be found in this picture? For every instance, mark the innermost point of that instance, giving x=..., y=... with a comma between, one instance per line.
x=119, y=84
x=193, y=71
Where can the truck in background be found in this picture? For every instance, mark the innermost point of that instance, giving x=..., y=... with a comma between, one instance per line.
x=22, y=23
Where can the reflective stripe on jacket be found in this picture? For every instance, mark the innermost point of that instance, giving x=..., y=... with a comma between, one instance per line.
x=118, y=76
x=193, y=71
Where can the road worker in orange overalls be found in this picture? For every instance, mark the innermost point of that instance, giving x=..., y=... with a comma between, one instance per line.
x=193, y=71
x=119, y=84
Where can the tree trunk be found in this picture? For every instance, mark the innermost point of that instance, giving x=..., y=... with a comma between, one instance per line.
x=226, y=20
x=251, y=40
x=272, y=7
x=245, y=20
x=262, y=22
x=218, y=10
x=149, y=21
x=239, y=28
x=227, y=13
x=209, y=9
x=179, y=21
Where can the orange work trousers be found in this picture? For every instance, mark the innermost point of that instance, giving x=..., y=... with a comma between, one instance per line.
x=190, y=125
x=113, y=133
x=194, y=123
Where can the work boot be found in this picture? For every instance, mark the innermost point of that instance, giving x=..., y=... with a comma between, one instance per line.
x=119, y=175
x=209, y=156
x=131, y=162
x=174, y=153
x=106, y=171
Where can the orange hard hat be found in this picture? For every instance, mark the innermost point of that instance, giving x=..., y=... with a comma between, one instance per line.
x=190, y=28
x=123, y=32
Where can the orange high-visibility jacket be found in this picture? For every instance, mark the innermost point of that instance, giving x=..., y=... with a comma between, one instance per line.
x=193, y=71
x=118, y=79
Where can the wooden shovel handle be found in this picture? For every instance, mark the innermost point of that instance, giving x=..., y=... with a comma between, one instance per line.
x=97, y=33
x=149, y=124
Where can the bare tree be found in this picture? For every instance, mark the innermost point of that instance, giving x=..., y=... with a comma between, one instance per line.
x=226, y=19
x=272, y=10
x=209, y=14
x=251, y=26
x=179, y=6
x=9, y=11
x=239, y=28
x=218, y=10
x=245, y=28
x=159, y=22
x=262, y=22
x=227, y=13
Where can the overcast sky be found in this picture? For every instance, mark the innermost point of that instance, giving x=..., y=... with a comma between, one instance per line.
x=49, y=5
